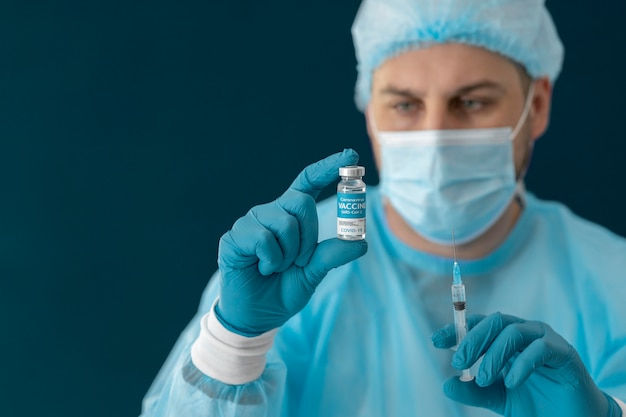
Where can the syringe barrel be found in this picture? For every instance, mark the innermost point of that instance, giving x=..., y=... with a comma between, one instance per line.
x=458, y=302
x=460, y=325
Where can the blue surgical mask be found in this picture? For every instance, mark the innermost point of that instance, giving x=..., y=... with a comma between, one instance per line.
x=443, y=179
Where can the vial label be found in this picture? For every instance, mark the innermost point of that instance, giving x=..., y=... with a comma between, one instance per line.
x=351, y=216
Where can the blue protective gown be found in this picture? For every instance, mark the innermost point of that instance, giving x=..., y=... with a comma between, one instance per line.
x=362, y=346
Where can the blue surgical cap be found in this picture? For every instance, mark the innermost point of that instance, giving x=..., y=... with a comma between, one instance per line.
x=521, y=30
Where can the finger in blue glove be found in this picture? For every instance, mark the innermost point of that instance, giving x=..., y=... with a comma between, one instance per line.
x=527, y=369
x=270, y=261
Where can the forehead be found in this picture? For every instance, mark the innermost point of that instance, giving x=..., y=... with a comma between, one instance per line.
x=444, y=67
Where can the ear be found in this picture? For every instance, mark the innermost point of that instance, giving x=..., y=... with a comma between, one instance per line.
x=369, y=122
x=540, y=107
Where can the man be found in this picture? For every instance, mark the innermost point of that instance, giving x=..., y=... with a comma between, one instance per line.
x=455, y=93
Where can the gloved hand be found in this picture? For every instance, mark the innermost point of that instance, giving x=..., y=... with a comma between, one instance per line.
x=527, y=370
x=270, y=261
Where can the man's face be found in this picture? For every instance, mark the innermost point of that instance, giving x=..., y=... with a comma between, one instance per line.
x=454, y=86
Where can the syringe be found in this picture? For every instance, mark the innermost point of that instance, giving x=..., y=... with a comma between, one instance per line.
x=458, y=301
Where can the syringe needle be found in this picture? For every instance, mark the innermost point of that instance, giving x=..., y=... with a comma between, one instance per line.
x=453, y=245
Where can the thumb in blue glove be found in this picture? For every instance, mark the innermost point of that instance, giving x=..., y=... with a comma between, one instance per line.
x=270, y=261
x=527, y=370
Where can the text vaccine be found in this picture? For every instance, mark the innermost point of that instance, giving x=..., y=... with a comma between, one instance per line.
x=351, y=203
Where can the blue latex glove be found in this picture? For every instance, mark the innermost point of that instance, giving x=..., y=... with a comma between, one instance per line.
x=528, y=370
x=270, y=261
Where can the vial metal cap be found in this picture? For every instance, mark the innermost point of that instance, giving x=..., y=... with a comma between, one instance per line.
x=352, y=171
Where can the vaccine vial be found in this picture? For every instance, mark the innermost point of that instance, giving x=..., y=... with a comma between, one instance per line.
x=351, y=203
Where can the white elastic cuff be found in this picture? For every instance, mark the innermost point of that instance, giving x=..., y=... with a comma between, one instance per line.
x=227, y=356
x=622, y=405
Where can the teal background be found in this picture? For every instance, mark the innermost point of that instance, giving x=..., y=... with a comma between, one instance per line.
x=134, y=133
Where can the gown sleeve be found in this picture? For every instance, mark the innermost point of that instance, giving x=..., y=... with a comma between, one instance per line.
x=181, y=389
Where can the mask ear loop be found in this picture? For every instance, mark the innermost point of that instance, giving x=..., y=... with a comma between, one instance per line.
x=525, y=112
x=520, y=187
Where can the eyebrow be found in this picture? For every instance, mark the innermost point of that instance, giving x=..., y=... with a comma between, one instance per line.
x=481, y=85
x=406, y=92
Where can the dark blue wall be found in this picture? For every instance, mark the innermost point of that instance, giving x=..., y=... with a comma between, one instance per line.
x=134, y=133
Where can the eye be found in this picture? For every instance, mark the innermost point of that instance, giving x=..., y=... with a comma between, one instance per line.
x=471, y=104
x=404, y=107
